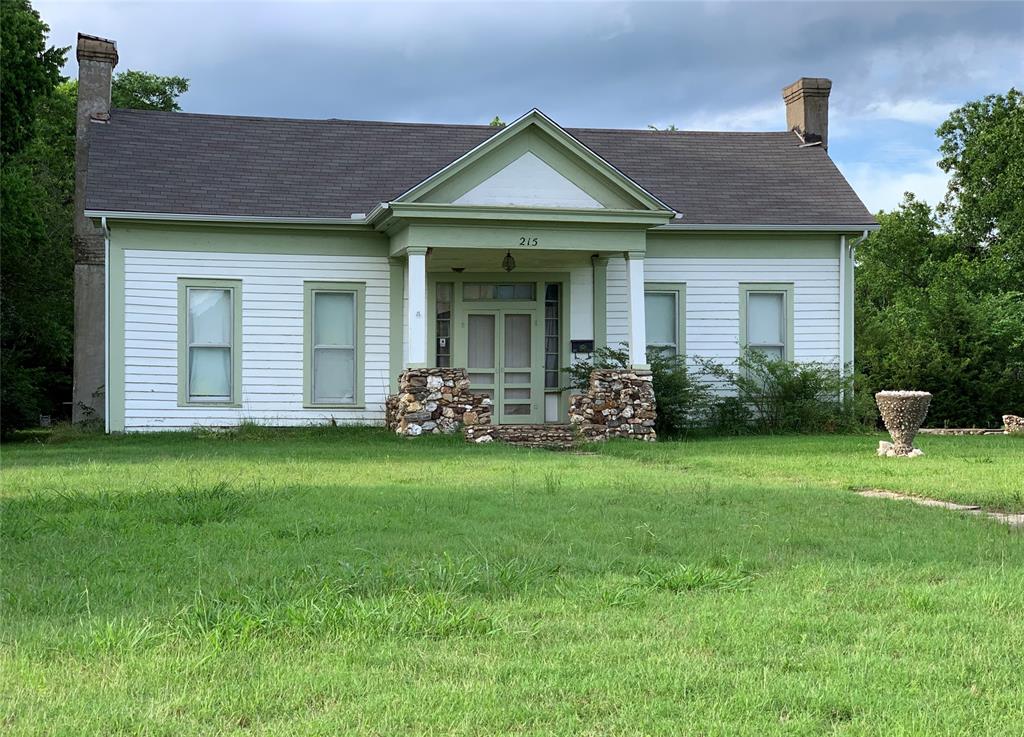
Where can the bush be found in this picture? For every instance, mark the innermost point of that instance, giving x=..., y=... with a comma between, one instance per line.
x=682, y=399
x=772, y=395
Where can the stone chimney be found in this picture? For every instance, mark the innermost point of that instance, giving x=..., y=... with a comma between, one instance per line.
x=807, y=108
x=97, y=58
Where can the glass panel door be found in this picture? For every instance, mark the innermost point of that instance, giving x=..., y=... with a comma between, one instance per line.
x=516, y=375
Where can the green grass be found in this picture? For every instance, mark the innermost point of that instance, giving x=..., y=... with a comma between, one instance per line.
x=347, y=582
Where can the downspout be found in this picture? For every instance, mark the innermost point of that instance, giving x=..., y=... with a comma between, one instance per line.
x=106, y=324
x=842, y=306
x=846, y=262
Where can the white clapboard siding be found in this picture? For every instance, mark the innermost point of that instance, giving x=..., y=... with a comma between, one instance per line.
x=272, y=336
x=712, y=302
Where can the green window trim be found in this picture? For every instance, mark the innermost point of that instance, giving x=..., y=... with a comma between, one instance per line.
x=677, y=289
x=359, y=290
x=235, y=286
x=785, y=288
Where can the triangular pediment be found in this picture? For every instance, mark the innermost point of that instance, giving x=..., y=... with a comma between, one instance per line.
x=533, y=163
x=528, y=181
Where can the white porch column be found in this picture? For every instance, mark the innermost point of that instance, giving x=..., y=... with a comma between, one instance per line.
x=417, y=307
x=637, y=313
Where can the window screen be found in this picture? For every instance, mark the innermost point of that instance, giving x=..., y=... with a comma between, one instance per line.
x=334, y=347
x=210, y=319
x=661, y=312
x=766, y=323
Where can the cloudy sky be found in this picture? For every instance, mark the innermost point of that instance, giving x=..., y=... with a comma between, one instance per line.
x=897, y=69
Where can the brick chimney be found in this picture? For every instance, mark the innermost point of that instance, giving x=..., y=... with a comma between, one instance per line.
x=807, y=108
x=97, y=58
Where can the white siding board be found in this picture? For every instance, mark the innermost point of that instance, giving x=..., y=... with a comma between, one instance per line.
x=712, y=302
x=272, y=342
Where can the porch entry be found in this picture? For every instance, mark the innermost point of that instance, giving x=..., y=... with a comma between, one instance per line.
x=501, y=362
x=510, y=332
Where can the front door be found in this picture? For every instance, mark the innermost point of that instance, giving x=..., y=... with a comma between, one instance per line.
x=501, y=364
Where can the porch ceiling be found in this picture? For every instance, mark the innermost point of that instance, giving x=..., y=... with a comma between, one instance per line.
x=474, y=260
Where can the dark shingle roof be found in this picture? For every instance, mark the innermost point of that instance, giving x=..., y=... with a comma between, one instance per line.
x=144, y=161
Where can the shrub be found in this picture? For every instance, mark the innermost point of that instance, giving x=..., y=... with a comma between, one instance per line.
x=784, y=396
x=682, y=399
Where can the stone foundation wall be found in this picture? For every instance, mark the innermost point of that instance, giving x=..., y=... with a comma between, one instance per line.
x=435, y=400
x=531, y=436
x=618, y=403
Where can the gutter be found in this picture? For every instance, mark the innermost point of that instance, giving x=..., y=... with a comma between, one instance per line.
x=191, y=217
x=848, y=228
x=106, y=325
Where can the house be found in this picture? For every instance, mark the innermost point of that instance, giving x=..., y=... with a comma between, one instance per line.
x=287, y=271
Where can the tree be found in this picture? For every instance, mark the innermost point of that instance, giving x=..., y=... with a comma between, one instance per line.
x=983, y=151
x=28, y=70
x=497, y=122
x=36, y=282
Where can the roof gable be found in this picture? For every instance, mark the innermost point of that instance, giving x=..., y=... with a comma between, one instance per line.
x=533, y=163
x=528, y=181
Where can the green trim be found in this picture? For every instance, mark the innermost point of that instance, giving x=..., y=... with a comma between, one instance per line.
x=115, y=340
x=504, y=237
x=848, y=315
x=459, y=322
x=359, y=290
x=203, y=237
x=549, y=151
x=396, y=319
x=679, y=290
x=235, y=285
x=600, y=266
x=547, y=215
x=567, y=143
x=785, y=287
x=741, y=245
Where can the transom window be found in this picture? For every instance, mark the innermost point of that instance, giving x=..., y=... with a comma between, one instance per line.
x=664, y=313
x=209, y=341
x=767, y=320
x=498, y=291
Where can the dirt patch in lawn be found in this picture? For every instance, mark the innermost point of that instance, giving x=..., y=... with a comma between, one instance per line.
x=1015, y=520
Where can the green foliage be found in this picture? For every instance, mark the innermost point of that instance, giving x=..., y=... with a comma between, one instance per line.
x=38, y=185
x=497, y=122
x=28, y=71
x=671, y=127
x=784, y=396
x=935, y=316
x=144, y=91
x=682, y=398
x=940, y=301
x=983, y=151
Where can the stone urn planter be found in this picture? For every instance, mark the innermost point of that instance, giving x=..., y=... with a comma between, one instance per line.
x=902, y=412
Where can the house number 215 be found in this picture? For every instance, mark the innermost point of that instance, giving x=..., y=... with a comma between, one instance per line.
x=527, y=241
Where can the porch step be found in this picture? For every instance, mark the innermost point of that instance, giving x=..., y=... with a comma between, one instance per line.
x=528, y=436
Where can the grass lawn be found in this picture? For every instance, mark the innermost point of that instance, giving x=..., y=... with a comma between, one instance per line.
x=340, y=582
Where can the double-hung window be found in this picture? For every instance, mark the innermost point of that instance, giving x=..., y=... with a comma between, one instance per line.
x=664, y=310
x=766, y=319
x=333, y=343
x=209, y=341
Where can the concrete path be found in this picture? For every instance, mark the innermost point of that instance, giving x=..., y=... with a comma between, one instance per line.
x=1014, y=520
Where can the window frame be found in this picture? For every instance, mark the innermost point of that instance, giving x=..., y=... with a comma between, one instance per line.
x=358, y=289
x=677, y=290
x=235, y=287
x=784, y=288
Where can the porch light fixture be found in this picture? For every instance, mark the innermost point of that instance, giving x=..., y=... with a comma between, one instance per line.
x=508, y=263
